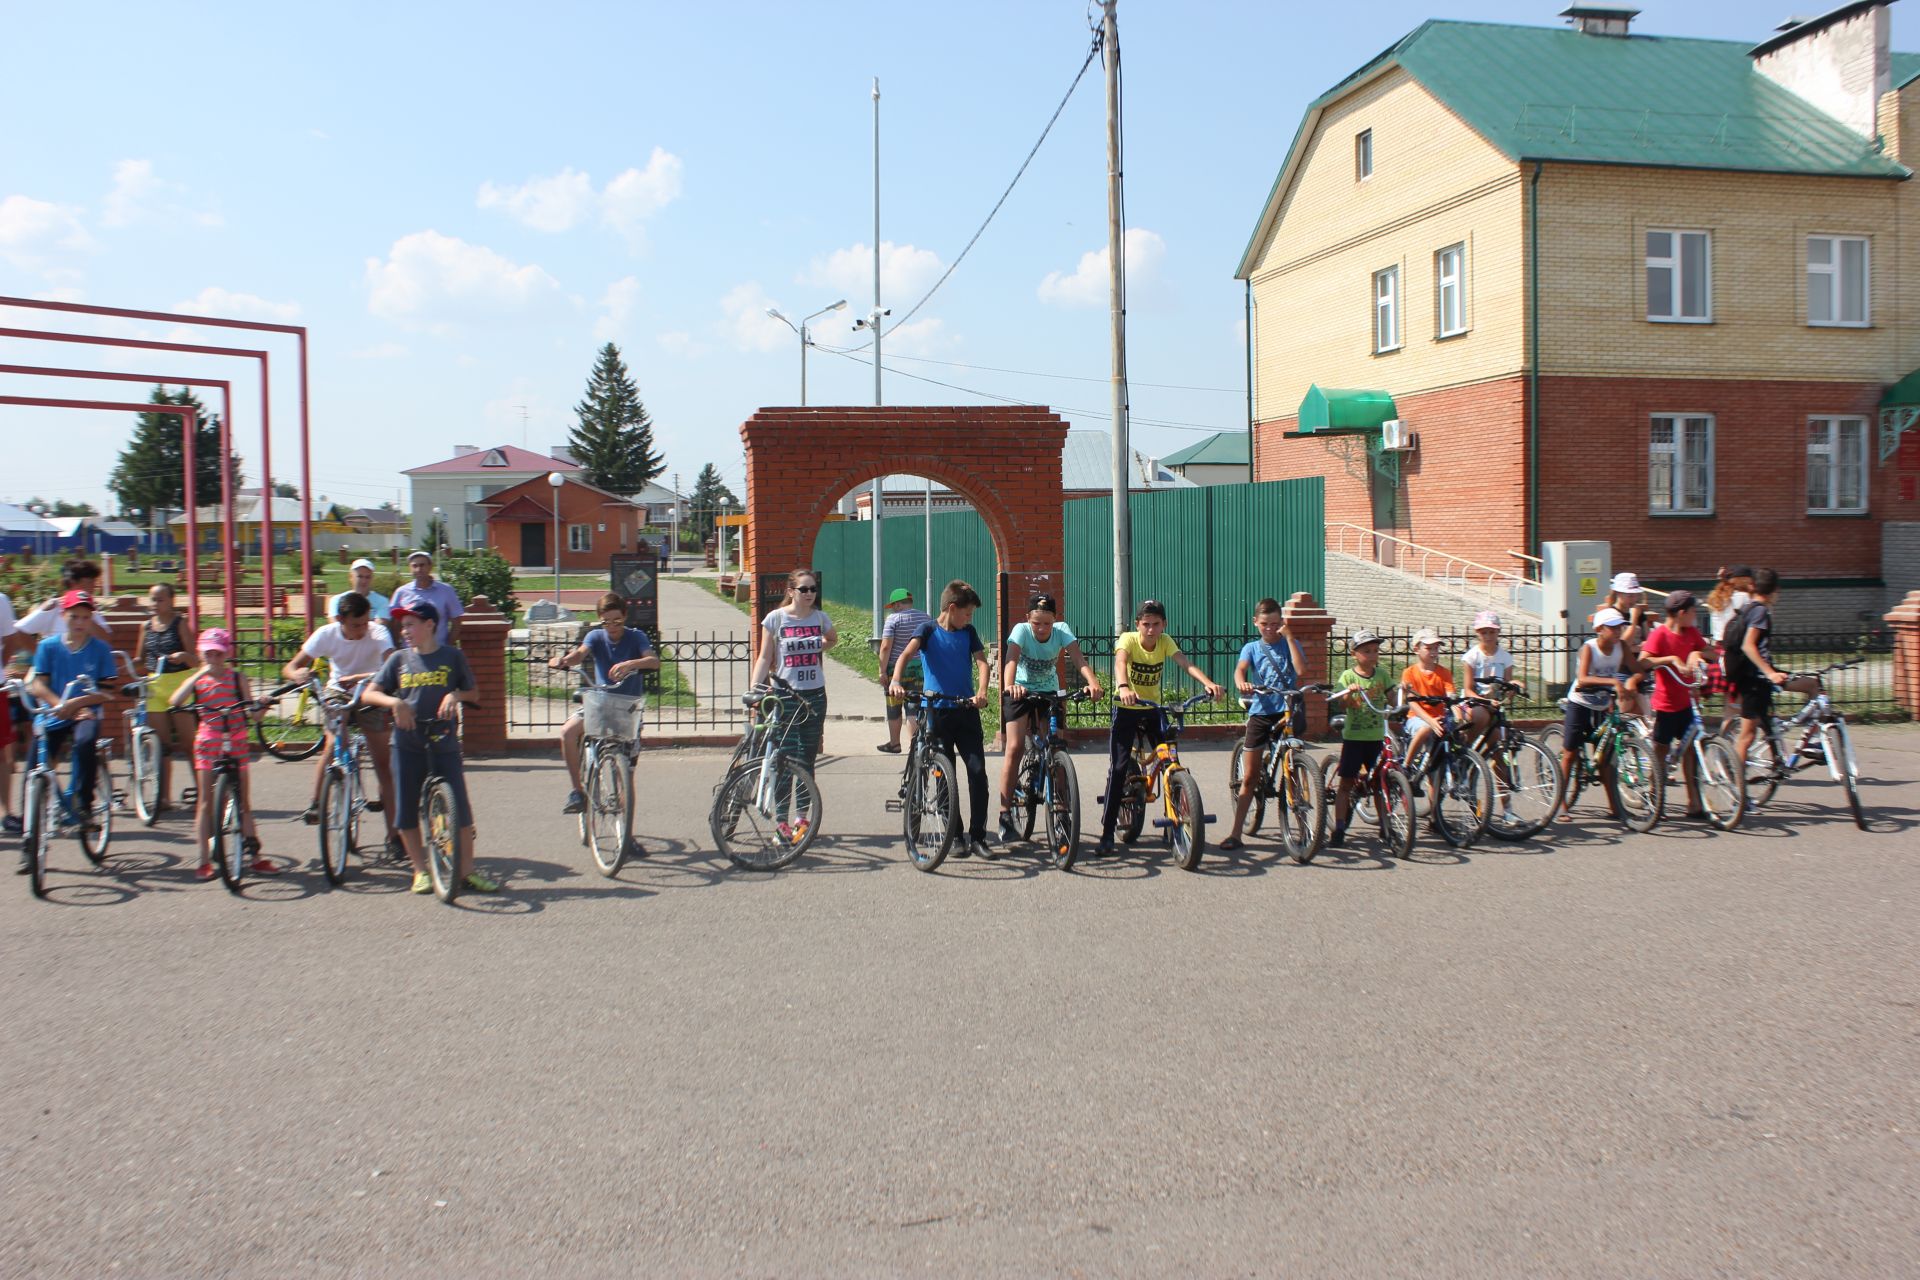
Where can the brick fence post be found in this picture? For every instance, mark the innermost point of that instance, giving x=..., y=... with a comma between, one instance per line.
x=1312, y=626
x=483, y=638
x=1905, y=621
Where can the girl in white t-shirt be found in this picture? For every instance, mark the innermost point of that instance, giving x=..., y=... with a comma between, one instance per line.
x=793, y=645
x=1484, y=665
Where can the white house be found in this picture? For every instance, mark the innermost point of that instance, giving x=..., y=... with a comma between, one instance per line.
x=455, y=484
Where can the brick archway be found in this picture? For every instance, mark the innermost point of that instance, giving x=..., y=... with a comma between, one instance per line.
x=1005, y=459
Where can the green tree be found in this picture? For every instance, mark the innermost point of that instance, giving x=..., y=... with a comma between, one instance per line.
x=285, y=489
x=64, y=508
x=704, y=501
x=614, y=439
x=147, y=478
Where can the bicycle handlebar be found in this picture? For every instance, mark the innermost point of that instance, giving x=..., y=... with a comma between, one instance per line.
x=1180, y=708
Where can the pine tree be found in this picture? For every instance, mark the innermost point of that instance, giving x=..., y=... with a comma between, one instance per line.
x=614, y=441
x=147, y=480
x=708, y=489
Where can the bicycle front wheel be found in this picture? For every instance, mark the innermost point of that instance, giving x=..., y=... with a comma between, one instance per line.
x=1302, y=807
x=1638, y=789
x=763, y=821
x=930, y=818
x=143, y=761
x=95, y=842
x=1841, y=763
x=1392, y=796
x=40, y=818
x=440, y=829
x=607, y=811
x=1763, y=765
x=1185, y=812
x=1063, y=811
x=1526, y=788
x=1462, y=796
x=1722, y=782
x=226, y=831
x=336, y=823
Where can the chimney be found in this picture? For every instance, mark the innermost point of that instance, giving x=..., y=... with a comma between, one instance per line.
x=462, y=450
x=1601, y=19
x=1839, y=62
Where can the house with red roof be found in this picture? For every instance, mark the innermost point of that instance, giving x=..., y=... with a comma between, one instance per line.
x=458, y=484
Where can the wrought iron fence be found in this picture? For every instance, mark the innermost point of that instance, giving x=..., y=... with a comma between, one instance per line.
x=697, y=687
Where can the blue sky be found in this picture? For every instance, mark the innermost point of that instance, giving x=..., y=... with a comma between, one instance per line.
x=462, y=202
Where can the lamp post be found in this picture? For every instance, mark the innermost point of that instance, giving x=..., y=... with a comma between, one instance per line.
x=805, y=339
x=437, y=531
x=724, y=504
x=555, y=480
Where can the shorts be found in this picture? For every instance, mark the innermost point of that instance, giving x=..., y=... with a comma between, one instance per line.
x=6, y=725
x=410, y=774
x=1356, y=755
x=1025, y=711
x=1579, y=723
x=914, y=683
x=1756, y=699
x=1671, y=726
x=371, y=719
x=208, y=748
x=1260, y=731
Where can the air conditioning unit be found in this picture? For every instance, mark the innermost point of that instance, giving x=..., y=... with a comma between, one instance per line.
x=1395, y=436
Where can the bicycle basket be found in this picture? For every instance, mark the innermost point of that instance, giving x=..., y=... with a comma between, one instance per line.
x=612, y=715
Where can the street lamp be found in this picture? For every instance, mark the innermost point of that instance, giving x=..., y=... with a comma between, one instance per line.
x=724, y=504
x=805, y=340
x=555, y=479
x=437, y=531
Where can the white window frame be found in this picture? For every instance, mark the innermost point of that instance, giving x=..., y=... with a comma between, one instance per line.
x=1452, y=278
x=1829, y=452
x=1386, y=310
x=1672, y=264
x=1827, y=275
x=1671, y=457
x=579, y=537
x=1363, y=155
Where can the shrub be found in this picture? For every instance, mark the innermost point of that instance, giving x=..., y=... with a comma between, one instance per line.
x=481, y=573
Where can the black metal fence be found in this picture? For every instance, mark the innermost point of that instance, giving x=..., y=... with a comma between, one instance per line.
x=696, y=689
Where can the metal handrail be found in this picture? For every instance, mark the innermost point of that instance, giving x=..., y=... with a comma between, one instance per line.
x=1447, y=563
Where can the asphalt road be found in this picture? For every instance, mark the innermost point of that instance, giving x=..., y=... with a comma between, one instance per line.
x=1677, y=1054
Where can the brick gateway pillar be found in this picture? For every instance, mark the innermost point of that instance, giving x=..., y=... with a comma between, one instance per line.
x=1005, y=459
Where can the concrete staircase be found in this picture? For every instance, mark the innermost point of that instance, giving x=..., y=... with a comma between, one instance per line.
x=1362, y=593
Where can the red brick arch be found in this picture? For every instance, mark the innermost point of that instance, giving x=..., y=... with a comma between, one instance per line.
x=1005, y=459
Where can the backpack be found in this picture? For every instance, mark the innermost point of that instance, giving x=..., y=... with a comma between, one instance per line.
x=1734, y=663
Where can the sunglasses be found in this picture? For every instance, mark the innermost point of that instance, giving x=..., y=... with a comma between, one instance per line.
x=806, y=591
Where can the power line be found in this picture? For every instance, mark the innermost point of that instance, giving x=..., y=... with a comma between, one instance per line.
x=1034, y=373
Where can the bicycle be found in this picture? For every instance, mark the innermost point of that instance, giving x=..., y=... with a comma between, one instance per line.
x=293, y=733
x=1618, y=754
x=1721, y=782
x=143, y=749
x=1526, y=776
x=49, y=806
x=228, y=842
x=612, y=724
x=343, y=784
x=1157, y=774
x=1287, y=777
x=1454, y=779
x=1047, y=781
x=929, y=797
x=1382, y=793
x=1823, y=739
x=770, y=792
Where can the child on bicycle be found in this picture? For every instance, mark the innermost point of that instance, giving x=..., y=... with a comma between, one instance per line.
x=1485, y=666
x=619, y=654
x=1629, y=599
x=946, y=647
x=1032, y=653
x=1750, y=664
x=218, y=691
x=354, y=647
x=1363, y=735
x=77, y=654
x=1274, y=660
x=1599, y=678
x=1140, y=657
x=1676, y=645
x=1428, y=679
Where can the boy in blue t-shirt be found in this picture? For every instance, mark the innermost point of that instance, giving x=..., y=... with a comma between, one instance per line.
x=58, y=661
x=619, y=654
x=1273, y=661
x=946, y=647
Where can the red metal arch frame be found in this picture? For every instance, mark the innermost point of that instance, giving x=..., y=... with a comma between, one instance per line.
x=299, y=333
x=189, y=426
x=227, y=558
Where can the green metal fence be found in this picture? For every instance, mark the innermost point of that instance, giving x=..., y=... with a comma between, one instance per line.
x=1207, y=553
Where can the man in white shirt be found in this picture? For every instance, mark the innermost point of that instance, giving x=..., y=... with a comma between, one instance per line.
x=355, y=647
x=75, y=575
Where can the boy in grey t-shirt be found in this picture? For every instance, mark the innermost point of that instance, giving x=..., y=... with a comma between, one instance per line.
x=904, y=620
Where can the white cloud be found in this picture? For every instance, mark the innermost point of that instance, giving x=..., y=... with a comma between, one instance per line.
x=379, y=351
x=638, y=194
x=139, y=194
x=1087, y=285
x=555, y=204
x=215, y=301
x=917, y=338
x=428, y=279
x=681, y=344
x=616, y=308
x=906, y=272
x=748, y=325
x=30, y=228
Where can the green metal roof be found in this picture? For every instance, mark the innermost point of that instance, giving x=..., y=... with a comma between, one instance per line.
x=1223, y=449
x=1334, y=411
x=1904, y=393
x=1555, y=94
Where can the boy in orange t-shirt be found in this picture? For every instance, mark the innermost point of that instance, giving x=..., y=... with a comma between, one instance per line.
x=1427, y=678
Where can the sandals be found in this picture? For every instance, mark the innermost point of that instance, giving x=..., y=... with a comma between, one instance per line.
x=889, y=748
x=1230, y=844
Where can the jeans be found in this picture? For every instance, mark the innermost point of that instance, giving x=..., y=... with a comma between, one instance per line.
x=959, y=728
x=1129, y=725
x=85, y=766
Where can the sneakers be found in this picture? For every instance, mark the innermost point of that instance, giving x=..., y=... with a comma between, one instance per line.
x=26, y=865
x=204, y=871
x=984, y=847
x=1008, y=833
x=1106, y=848
x=480, y=884
x=1337, y=838
x=422, y=882
x=575, y=802
x=312, y=816
x=889, y=748
x=796, y=833
x=11, y=825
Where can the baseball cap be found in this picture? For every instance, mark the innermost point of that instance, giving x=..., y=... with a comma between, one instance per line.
x=1626, y=583
x=1427, y=635
x=76, y=599
x=420, y=609
x=1679, y=600
x=364, y=563
x=1041, y=600
x=1609, y=618
x=419, y=555
x=1362, y=636
x=899, y=594
x=216, y=640
x=1740, y=571
x=1486, y=618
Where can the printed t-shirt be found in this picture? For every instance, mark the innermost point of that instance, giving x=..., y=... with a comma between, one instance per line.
x=1431, y=684
x=1601, y=664
x=444, y=599
x=1271, y=665
x=1487, y=667
x=1039, y=670
x=381, y=606
x=1364, y=724
x=60, y=666
x=1144, y=668
x=348, y=657
x=422, y=680
x=948, y=658
x=607, y=654
x=1669, y=694
x=802, y=641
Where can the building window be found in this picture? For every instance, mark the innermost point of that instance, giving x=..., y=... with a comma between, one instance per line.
x=1363, y=155
x=1450, y=290
x=1837, y=281
x=1837, y=464
x=476, y=492
x=1680, y=276
x=579, y=537
x=1386, y=310
x=1680, y=465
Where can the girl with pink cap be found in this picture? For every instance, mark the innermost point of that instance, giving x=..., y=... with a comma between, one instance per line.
x=219, y=693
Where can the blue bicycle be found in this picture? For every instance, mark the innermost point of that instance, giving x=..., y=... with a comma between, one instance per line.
x=50, y=807
x=1047, y=783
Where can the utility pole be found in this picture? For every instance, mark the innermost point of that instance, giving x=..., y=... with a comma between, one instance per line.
x=1117, y=289
x=673, y=547
x=879, y=482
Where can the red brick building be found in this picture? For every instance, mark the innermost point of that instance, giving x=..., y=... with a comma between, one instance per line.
x=594, y=525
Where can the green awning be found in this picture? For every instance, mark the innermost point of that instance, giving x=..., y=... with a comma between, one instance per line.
x=1904, y=393
x=1342, y=412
